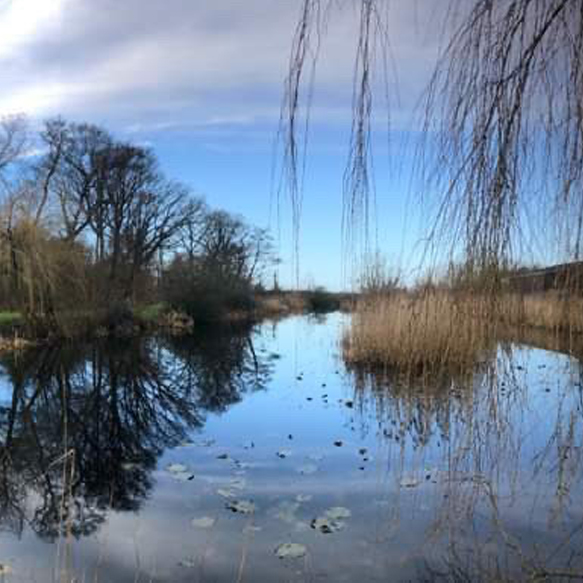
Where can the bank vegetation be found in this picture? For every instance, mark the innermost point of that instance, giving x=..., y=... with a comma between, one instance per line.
x=96, y=240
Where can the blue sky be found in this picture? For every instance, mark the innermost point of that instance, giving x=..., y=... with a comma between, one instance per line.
x=201, y=83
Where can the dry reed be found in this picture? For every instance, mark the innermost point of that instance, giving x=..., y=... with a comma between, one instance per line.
x=443, y=329
x=418, y=332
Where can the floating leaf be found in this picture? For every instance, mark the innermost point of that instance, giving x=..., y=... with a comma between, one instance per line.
x=338, y=513
x=203, y=522
x=180, y=472
x=291, y=551
x=241, y=506
x=326, y=525
x=242, y=465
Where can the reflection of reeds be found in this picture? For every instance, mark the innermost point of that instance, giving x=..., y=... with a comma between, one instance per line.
x=484, y=471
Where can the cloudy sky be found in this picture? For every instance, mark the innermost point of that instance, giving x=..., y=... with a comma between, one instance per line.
x=201, y=82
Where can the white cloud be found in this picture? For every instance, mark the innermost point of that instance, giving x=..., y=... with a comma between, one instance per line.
x=20, y=20
x=168, y=64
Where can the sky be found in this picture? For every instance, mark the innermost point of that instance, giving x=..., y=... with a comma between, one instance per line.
x=202, y=82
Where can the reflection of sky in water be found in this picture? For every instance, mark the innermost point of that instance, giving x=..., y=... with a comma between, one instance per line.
x=470, y=472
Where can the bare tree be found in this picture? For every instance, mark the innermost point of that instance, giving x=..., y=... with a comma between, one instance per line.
x=13, y=144
x=75, y=151
x=233, y=250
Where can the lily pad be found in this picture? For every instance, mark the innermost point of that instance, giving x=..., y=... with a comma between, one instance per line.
x=326, y=525
x=180, y=472
x=241, y=506
x=291, y=551
x=338, y=513
x=177, y=468
x=203, y=522
x=409, y=482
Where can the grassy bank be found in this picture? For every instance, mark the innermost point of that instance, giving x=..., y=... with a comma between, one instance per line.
x=120, y=321
x=435, y=330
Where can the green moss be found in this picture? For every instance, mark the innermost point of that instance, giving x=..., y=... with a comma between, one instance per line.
x=8, y=319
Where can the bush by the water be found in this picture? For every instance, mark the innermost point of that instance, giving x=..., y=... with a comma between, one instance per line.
x=206, y=297
x=320, y=301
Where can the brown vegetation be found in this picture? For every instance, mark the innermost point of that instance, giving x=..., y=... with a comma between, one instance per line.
x=434, y=330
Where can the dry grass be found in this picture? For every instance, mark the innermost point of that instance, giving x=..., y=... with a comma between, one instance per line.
x=417, y=332
x=550, y=311
x=437, y=330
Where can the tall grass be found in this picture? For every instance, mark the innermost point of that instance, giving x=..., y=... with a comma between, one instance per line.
x=552, y=311
x=443, y=329
x=418, y=332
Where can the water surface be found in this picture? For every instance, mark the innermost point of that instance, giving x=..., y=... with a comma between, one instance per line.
x=172, y=460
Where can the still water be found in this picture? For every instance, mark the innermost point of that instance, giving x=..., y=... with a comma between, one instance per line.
x=254, y=455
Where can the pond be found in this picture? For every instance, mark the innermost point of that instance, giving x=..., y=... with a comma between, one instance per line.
x=252, y=454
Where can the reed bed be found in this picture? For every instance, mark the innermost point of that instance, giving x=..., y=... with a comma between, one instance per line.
x=551, y=311
x=418, y=332
x=450, y=330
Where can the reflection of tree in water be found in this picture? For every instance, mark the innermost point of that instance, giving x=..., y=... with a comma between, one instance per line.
x=509, y=475
x=221, y=365
x=87, y=423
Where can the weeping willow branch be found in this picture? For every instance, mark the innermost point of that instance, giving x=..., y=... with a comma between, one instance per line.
x=295, y=108
x=501, y=151
x=358, y=180
x=503, y=128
